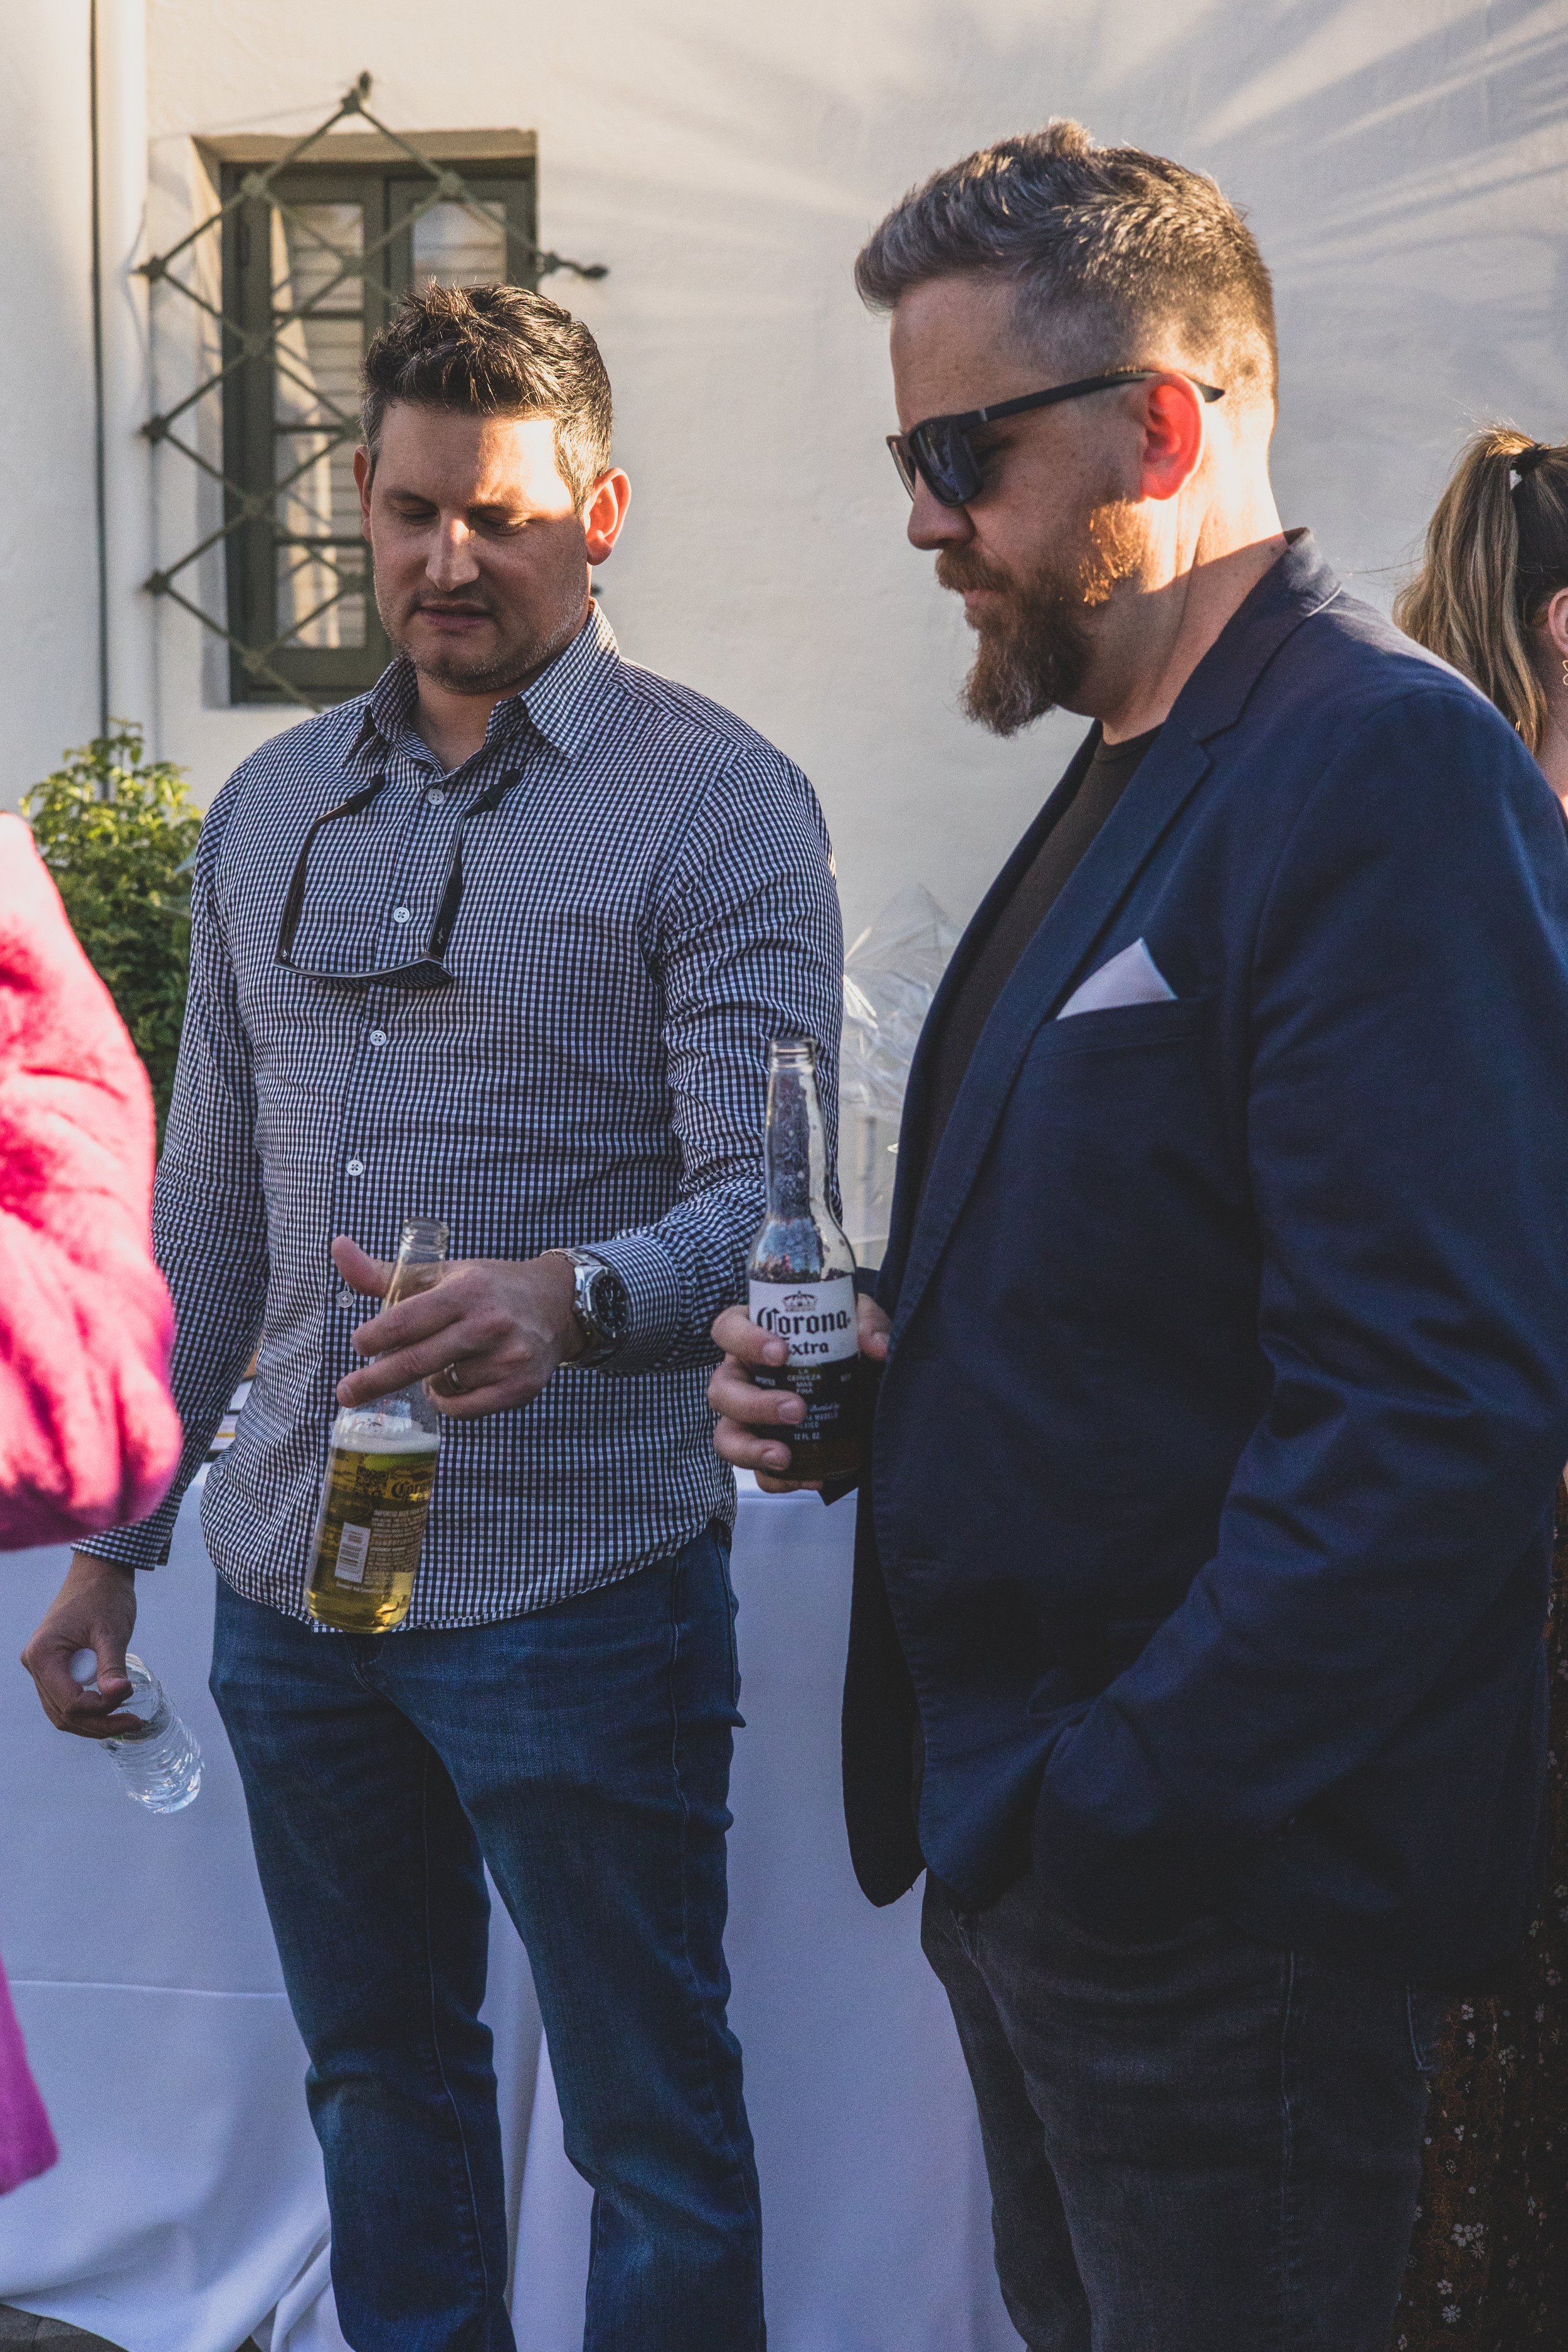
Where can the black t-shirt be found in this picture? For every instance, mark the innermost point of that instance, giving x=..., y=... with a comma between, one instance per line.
x=1106, y=777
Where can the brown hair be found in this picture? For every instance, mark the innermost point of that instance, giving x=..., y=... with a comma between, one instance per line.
x=494, y=351
x=1496, y=552
x=1114, y=242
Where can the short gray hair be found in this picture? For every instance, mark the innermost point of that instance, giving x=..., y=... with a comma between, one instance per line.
x=1109, y=243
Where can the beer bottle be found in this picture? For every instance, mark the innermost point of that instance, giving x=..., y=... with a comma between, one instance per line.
x=802, y=1274
x=381, y=1467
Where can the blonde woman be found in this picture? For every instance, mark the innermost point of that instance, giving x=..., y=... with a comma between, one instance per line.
x=1489, y=2264
x=1491, y=594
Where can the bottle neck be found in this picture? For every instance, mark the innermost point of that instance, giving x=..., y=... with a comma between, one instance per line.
x=794, y=1149
x=421, y=1247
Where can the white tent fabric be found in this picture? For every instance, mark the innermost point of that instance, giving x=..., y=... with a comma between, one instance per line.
x=187, y=2210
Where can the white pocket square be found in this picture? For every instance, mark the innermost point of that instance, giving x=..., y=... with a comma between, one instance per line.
x=1131, y=978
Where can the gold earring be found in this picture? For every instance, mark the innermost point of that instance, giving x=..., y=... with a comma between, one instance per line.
x=1566, y=670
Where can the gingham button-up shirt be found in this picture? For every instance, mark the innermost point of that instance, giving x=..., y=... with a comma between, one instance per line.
x=651, y=902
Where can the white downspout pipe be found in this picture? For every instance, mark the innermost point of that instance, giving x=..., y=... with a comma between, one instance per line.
x=128, y=535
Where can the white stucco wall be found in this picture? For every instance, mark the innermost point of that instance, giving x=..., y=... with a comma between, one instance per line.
x=1405, y=164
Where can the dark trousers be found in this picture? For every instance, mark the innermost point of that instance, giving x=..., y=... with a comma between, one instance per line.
x=583, y=1752
x=1198, y=2145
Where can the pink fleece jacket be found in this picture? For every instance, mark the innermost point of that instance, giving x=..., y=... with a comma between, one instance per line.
x=88, y=1434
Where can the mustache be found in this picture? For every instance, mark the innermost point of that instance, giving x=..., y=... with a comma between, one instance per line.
x=961, y=567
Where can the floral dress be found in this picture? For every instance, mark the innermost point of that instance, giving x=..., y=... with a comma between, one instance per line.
x=1488, y=2264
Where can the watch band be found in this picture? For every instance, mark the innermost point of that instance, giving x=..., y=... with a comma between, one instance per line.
x=599, y=1303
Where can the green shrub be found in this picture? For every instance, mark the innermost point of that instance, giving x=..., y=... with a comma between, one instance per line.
x=117, y=832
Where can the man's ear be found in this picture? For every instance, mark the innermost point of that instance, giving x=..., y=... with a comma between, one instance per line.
x=1172, y=436
x=603, y=512
x=365, y=474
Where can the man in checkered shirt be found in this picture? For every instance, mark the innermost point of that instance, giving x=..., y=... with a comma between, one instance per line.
x=569, y=1070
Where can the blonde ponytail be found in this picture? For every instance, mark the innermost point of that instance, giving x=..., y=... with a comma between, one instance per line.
x=1497, y=547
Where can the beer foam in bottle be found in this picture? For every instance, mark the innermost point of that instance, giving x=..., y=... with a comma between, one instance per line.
x=801, y=1274
x=375, y=1496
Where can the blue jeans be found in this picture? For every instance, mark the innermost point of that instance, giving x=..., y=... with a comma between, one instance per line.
x=583, y=1752
x=1198, y=2145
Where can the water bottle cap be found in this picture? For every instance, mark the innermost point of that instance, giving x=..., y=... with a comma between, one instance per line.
x=84, y=1667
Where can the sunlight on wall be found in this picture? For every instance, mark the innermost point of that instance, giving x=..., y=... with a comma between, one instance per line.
x=1404, y=163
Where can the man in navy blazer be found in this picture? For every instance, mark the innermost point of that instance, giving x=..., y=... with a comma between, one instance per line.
x=1197, y=1649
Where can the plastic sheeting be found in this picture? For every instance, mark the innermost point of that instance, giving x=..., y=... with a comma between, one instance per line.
x=890, y=974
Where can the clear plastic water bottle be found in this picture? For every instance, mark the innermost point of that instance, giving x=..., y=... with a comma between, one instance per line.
x=160, y=1766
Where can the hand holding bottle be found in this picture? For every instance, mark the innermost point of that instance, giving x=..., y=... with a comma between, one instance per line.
x=755, y=1423
x=380, y=1468
x=95, y=1609
x=507, y=1327
x=792, y=1362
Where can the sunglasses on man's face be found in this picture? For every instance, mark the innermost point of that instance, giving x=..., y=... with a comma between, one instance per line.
x=941, y=454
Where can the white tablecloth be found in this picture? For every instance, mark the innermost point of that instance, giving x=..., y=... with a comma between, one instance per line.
x=187, y=2210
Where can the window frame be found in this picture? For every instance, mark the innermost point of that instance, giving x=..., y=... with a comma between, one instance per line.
x=494, y=168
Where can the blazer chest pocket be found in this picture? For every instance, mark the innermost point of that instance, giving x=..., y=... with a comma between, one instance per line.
x=1122, y=1053
x=1111, y=1152
x=1120, y=1028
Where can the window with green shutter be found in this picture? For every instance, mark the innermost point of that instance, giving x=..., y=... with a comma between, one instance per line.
x=313, y=261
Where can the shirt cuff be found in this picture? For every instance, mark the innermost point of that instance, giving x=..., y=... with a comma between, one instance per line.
x=132, y=1546
x=654, y=1319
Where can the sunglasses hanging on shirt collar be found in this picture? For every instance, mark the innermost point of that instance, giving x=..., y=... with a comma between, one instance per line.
x=940, y=453
x=425, y=971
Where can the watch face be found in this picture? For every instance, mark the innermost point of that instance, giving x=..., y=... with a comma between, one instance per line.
x=607, y=1303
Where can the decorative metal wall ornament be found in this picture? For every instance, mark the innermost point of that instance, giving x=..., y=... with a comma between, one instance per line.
x=242, y=343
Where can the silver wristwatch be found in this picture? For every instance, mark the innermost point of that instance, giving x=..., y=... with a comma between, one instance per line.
x=599, y=1302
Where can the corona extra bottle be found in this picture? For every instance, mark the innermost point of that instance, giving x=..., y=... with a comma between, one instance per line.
x=802, y=1274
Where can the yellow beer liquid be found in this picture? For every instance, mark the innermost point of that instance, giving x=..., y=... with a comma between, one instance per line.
x=372, y=1524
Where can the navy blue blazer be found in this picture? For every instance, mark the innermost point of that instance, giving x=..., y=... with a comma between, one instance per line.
x=1209, y=1515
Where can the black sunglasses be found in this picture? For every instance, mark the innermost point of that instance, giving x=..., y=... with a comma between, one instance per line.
x=425, y=971
x=941, y=451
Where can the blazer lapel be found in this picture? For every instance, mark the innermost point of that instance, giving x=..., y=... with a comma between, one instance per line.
x=1088, y=903
x=1298, y=585
x=916, y=1106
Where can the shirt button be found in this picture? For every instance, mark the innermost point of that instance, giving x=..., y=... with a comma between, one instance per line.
x=434, y=797
x=378, y=1036
x=356, y=1168
x=401, y=915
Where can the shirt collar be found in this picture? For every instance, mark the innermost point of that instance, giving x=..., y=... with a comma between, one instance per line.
x=562, y=704
x=565, y=701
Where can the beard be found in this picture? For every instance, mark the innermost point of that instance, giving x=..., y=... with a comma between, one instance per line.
x=511, y=658
x=1035, y=644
